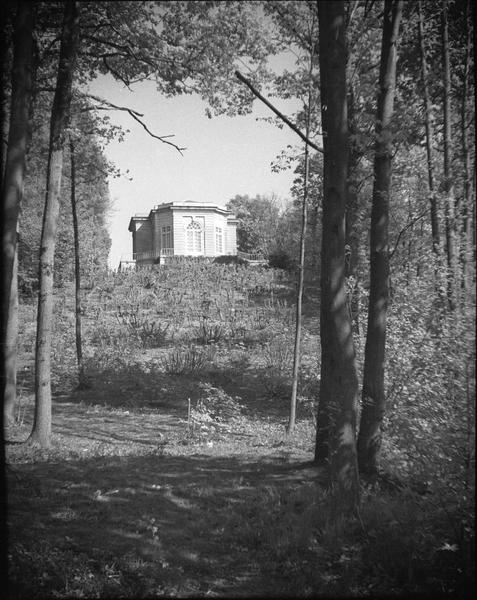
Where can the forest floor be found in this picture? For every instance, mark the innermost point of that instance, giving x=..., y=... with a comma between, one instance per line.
x=132, y=503
x=170, y=473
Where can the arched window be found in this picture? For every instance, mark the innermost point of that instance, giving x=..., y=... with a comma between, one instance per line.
x=194, y=238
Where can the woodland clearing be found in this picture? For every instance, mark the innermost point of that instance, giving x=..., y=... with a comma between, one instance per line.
x=170, y=472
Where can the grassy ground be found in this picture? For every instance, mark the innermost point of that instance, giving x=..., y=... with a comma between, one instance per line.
x=131, y=504
x=170, y=473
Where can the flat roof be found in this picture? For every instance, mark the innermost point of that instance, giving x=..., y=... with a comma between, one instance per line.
x=190, y=204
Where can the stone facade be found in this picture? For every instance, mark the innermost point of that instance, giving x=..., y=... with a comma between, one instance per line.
x=183, y=229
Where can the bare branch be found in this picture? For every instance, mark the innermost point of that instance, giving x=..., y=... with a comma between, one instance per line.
x=157, y=137
x=111, y=105
x=408, y=226
x=135, y=115
x=276, y=111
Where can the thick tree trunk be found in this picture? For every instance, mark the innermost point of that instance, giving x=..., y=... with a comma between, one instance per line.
x=4, y=563
x=12, y=192
x=78, y=337
x=336, y=420
x=11, y=345
x=41, y=432
x=448, y=183
x=370, y=435
x=433, y=200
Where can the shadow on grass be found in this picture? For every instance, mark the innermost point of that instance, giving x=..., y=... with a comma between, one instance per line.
x=181, y=517
x=131, y=387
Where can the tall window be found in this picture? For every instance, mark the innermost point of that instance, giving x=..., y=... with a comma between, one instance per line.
x=166, y=237
x=219, y=240
x=194, y=238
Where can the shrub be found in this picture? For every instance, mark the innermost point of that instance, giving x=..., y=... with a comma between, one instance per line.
x=278, y=356
x=149, y=333
x=187, y=360
x=107, y=336
x=217, y=403
x=430, y=386
x=281, y=260
x=229, y=260
x=209, y=333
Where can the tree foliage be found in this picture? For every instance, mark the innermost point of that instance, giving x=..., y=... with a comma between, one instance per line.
x=258, y=223
x=94, y=205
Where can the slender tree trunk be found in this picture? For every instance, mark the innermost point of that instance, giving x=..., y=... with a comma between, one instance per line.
x=373, y=408
x=409, y=244
x=336, y=420
x=433, y=200
x=41, y=432
x=466, y=257
x=12, y=192
x=352, y=183
x=78, y=337
x=448, y=183
x=301, y=278
x=4, y=78
x=352, y=210
x=352, y=206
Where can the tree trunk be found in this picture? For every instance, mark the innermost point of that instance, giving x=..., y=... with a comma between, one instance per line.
x=370, y=434
x=352, y=183
x=433, y=201
x=299, y=299
x=4, y=79
x=448, y=184
x=352, y=210
x=41, y=432
x=11, y=344
x=78, y=337
x=466, y=254
x=4, y=562
x=12, y=192
x=336, y=420
x=301, y=274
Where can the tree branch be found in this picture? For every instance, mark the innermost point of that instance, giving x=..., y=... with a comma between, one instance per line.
x=135, y=115
x=110, y=105
x=276, y=111
x=408, y=226
x=160, y=138
x=116, y=74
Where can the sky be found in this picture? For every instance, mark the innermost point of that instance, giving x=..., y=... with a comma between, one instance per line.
x=224, y=156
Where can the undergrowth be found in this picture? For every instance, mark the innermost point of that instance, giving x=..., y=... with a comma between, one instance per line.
x=212, y=347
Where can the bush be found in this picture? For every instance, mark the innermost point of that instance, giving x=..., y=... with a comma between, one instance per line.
x=229, y=260
x=281, y=260
x=217, y=403
x=187, y=360
x=278, y=355
x=209, y=333
x=149, y=333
